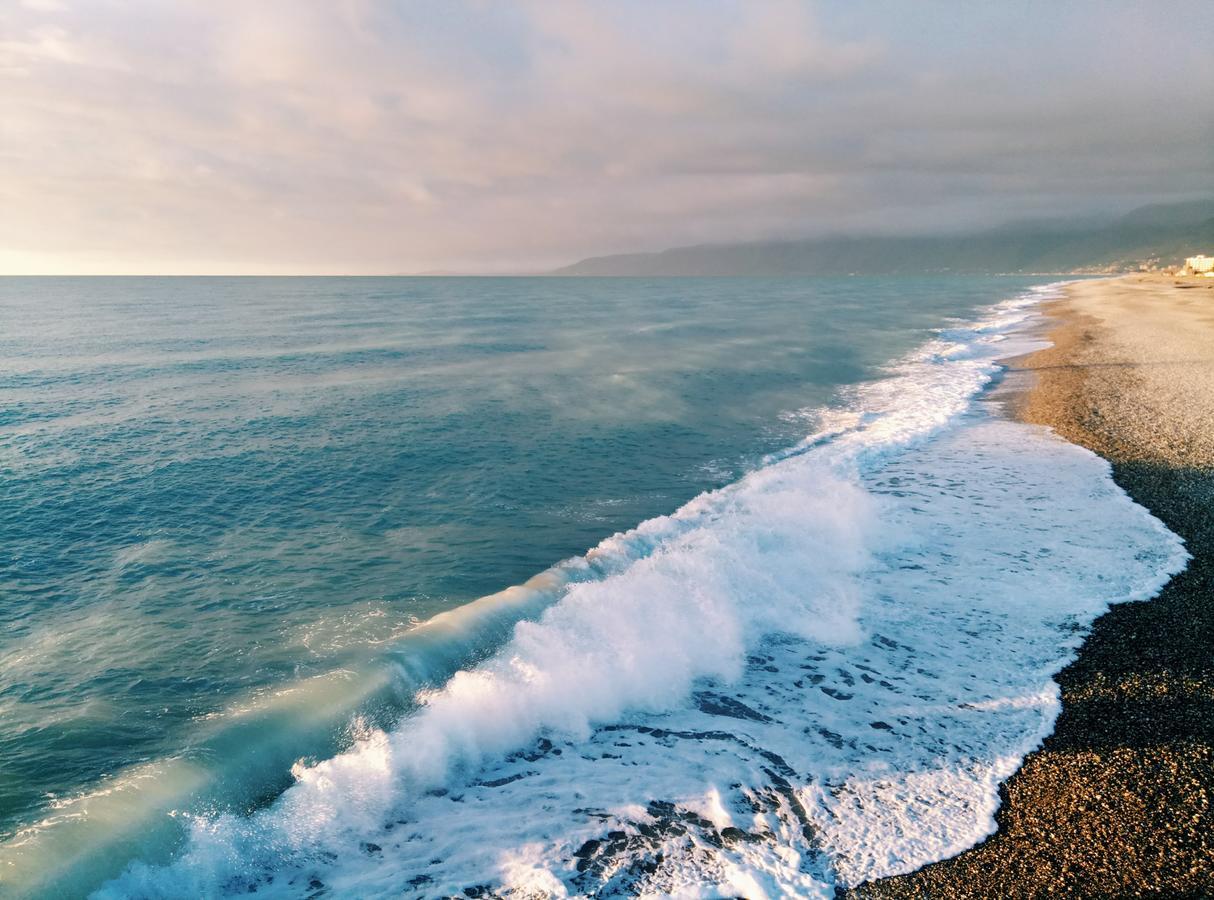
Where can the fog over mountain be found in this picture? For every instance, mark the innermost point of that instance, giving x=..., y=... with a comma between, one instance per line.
x=1159, y=233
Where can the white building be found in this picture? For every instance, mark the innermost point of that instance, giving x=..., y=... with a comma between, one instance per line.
x=1200, y=265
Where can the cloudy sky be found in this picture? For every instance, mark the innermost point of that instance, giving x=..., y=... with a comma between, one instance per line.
x=376, y=136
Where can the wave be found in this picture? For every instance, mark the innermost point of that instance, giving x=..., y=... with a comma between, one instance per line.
x=812, y=677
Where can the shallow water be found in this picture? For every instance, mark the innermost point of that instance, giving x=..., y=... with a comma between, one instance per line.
x=235, y=499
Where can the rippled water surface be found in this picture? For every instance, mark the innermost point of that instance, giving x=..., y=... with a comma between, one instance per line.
x=214, y=487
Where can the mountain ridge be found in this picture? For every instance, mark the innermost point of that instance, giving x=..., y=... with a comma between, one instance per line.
x=1157, y=234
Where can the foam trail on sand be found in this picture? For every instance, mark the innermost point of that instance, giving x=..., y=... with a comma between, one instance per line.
x=815, y=676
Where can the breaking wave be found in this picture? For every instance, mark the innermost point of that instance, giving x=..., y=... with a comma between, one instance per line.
x=813, y=677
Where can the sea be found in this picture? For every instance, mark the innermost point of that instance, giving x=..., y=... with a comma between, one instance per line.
x=528, y=587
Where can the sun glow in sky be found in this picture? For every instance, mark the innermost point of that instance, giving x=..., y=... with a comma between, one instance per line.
x=333, y=136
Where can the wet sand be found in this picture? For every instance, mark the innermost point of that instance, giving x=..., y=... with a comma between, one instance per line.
x=1119, y=801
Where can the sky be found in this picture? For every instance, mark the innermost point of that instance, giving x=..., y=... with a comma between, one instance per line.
x=368, y=136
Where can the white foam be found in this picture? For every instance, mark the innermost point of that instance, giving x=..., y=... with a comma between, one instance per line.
x=813, y=677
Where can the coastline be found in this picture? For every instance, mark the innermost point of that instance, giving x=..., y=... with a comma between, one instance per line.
x=1119, y=800
x=1033, y=467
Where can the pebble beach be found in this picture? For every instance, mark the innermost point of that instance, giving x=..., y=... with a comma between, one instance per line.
x=1118, y=800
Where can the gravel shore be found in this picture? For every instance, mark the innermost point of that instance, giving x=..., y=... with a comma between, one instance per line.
x=1119, y=802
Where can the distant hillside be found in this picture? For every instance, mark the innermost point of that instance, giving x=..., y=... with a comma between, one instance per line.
x=1161, y=234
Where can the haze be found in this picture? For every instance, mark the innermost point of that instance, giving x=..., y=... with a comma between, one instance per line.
x=376, y=137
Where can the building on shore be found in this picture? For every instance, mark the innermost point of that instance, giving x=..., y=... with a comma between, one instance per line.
x=1199, y=265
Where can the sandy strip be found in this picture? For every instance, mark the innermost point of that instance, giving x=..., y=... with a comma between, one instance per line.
x=1119, y=802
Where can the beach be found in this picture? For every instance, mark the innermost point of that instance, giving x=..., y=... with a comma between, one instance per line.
x=926, y=566
x=1117, y=802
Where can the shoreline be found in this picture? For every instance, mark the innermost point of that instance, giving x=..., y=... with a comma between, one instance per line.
x=1119, y=799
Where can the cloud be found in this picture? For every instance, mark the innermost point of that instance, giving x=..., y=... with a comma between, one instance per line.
x=359, y=135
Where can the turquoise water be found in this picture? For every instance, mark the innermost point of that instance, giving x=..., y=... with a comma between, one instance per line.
x=213, y=488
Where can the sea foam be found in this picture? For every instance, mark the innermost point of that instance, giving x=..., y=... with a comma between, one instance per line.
x=816, y=676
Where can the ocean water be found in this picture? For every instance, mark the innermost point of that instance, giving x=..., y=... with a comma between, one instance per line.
x=384, y=587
